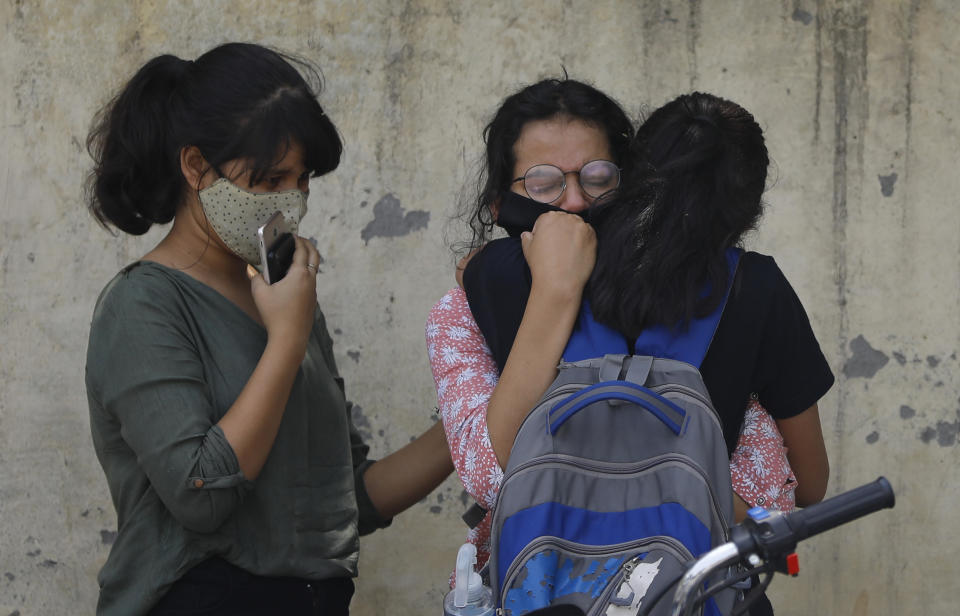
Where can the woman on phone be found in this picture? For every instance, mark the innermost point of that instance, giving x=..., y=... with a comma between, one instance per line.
x=216, y=408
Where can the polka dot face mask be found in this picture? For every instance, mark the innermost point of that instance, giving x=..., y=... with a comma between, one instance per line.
x=236, y=214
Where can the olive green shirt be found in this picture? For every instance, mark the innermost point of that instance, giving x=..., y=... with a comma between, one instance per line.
x=167, y=357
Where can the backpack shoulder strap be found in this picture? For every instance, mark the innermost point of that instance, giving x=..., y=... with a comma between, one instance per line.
x=474, y=515
x=592, y=339
x=691, y=344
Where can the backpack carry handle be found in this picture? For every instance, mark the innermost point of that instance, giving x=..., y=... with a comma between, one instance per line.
x=633, y=368
x=671, y=415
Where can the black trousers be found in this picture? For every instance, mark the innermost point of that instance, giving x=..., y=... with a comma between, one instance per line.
x=217, y=588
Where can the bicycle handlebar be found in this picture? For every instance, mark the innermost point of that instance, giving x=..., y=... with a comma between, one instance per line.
x=776, y=535
x=842, y=508
x=772, y=535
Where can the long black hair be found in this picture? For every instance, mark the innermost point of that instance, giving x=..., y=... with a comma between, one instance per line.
x=540, y=101
x=699, y=170
x=238, y=100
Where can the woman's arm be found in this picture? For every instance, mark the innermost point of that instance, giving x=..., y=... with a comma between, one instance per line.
x=803, y=438
x=465, y=374
x=792, y=376
x=287, y=309
x=408, y=474
x=561, y=252
x=759, y=469
x=531, y=366
x=392, y=484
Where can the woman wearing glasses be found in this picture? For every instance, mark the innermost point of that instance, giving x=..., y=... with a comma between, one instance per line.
x=555, y=145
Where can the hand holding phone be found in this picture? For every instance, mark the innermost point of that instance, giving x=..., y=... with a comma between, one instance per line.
x=277, y=246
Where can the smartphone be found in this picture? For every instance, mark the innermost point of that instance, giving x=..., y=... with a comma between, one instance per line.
x=276, y=248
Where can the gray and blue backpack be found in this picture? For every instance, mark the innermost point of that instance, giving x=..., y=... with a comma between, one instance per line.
x=617, y=479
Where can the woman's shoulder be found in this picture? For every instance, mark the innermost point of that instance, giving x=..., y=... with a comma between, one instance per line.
x=140, y=283
x=503, y=249
x=760, y=290
x=498, y=264
x=765, y=288
x=452, y=302
x=451, y=309
x=760, y=273
x=759, y=264
x=139, y=303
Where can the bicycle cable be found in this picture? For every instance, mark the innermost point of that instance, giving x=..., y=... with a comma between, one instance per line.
x=754, y=594
x=748, y=600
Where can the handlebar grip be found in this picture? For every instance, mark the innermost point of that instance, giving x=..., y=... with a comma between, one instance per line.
x=841, y=509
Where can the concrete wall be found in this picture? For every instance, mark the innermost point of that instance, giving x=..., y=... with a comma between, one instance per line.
x=858, y=100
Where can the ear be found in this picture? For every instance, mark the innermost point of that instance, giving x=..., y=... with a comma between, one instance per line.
x=194, y=167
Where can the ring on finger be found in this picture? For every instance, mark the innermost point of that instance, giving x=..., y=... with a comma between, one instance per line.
x=313, y=268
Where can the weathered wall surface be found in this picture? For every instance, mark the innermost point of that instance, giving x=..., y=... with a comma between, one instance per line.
x=858, y=99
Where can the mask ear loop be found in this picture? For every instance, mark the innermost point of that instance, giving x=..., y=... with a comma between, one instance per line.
x=206, y=221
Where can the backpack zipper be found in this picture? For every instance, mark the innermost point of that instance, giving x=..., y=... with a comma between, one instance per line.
x=569, y=388
x=690, y=393
x=668, y=544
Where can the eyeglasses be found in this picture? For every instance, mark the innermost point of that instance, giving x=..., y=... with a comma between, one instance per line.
x=545, y=183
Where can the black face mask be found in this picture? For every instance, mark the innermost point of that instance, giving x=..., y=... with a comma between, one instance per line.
x=517, y=213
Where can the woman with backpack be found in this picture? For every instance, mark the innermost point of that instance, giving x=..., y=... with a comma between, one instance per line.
x=240, y=483
x=526, y=315
x=701, y=164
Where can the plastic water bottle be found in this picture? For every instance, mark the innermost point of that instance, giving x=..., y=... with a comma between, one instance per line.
x=469, y=596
